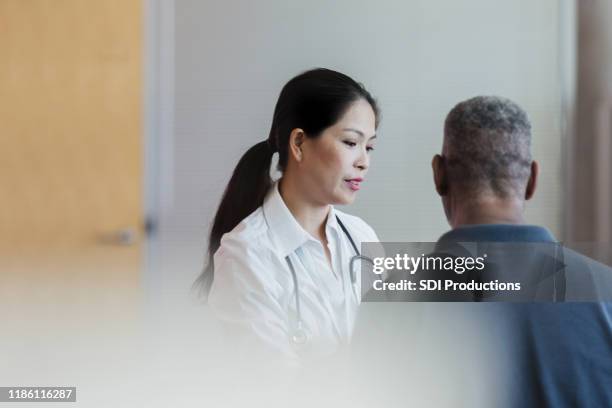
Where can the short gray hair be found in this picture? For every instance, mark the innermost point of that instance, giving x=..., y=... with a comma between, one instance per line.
x=487, y=146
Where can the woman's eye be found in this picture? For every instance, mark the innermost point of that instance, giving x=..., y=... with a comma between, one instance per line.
x=369, y=148
x=349, y=143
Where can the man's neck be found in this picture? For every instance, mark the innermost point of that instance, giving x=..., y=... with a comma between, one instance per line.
x=311, y=216
x=487, y=210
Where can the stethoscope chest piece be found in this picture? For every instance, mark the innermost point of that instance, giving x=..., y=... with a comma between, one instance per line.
x=299, y=337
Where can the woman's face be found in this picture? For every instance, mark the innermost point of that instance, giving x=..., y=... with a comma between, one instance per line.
x=335, y=164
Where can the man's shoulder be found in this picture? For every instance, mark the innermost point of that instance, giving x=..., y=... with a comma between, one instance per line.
x=587, y=279
x=576, y=259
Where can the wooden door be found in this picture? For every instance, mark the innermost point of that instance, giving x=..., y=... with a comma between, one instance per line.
x=70, y=156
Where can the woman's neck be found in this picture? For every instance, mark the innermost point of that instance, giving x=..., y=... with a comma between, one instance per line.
x=311, y=216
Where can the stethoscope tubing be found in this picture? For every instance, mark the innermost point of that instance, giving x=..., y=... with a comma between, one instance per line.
x=299, y=335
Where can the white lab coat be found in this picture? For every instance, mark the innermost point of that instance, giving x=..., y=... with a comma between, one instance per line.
x=253, y=289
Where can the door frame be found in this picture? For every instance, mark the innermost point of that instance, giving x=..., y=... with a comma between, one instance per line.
x=158, y=129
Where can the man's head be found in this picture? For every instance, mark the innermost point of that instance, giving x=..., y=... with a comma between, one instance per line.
x=486, y=164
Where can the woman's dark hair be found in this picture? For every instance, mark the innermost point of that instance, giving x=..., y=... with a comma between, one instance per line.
x=311, y=101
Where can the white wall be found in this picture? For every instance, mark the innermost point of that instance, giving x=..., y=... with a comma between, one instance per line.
x=418, y=57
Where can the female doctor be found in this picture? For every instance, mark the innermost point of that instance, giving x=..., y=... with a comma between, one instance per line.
x=280, y=252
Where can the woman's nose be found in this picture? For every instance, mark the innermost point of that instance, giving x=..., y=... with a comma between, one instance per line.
x=363, y=162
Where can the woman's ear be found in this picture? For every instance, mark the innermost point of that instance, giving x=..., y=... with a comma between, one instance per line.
x=296, y=139
x=439, y=174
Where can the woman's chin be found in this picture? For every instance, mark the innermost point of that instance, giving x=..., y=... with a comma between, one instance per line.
x=345, y=199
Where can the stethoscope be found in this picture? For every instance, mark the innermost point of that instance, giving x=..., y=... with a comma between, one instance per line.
x=300, y=336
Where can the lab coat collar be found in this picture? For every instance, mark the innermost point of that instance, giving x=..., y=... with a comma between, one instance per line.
x=288, y=233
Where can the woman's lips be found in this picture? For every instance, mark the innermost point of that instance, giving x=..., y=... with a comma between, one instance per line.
x=354, y=184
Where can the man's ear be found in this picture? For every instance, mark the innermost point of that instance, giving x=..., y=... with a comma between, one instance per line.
x=533, y=180
x=296, y=139
x=439, y=173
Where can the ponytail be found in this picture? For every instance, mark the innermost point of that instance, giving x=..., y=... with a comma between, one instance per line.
x=244, y=193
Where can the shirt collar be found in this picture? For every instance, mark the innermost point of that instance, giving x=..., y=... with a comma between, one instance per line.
x=332, y=221
x=497, y=233
x=288, y=233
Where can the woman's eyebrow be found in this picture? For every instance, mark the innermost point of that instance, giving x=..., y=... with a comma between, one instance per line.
x=359, y=132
